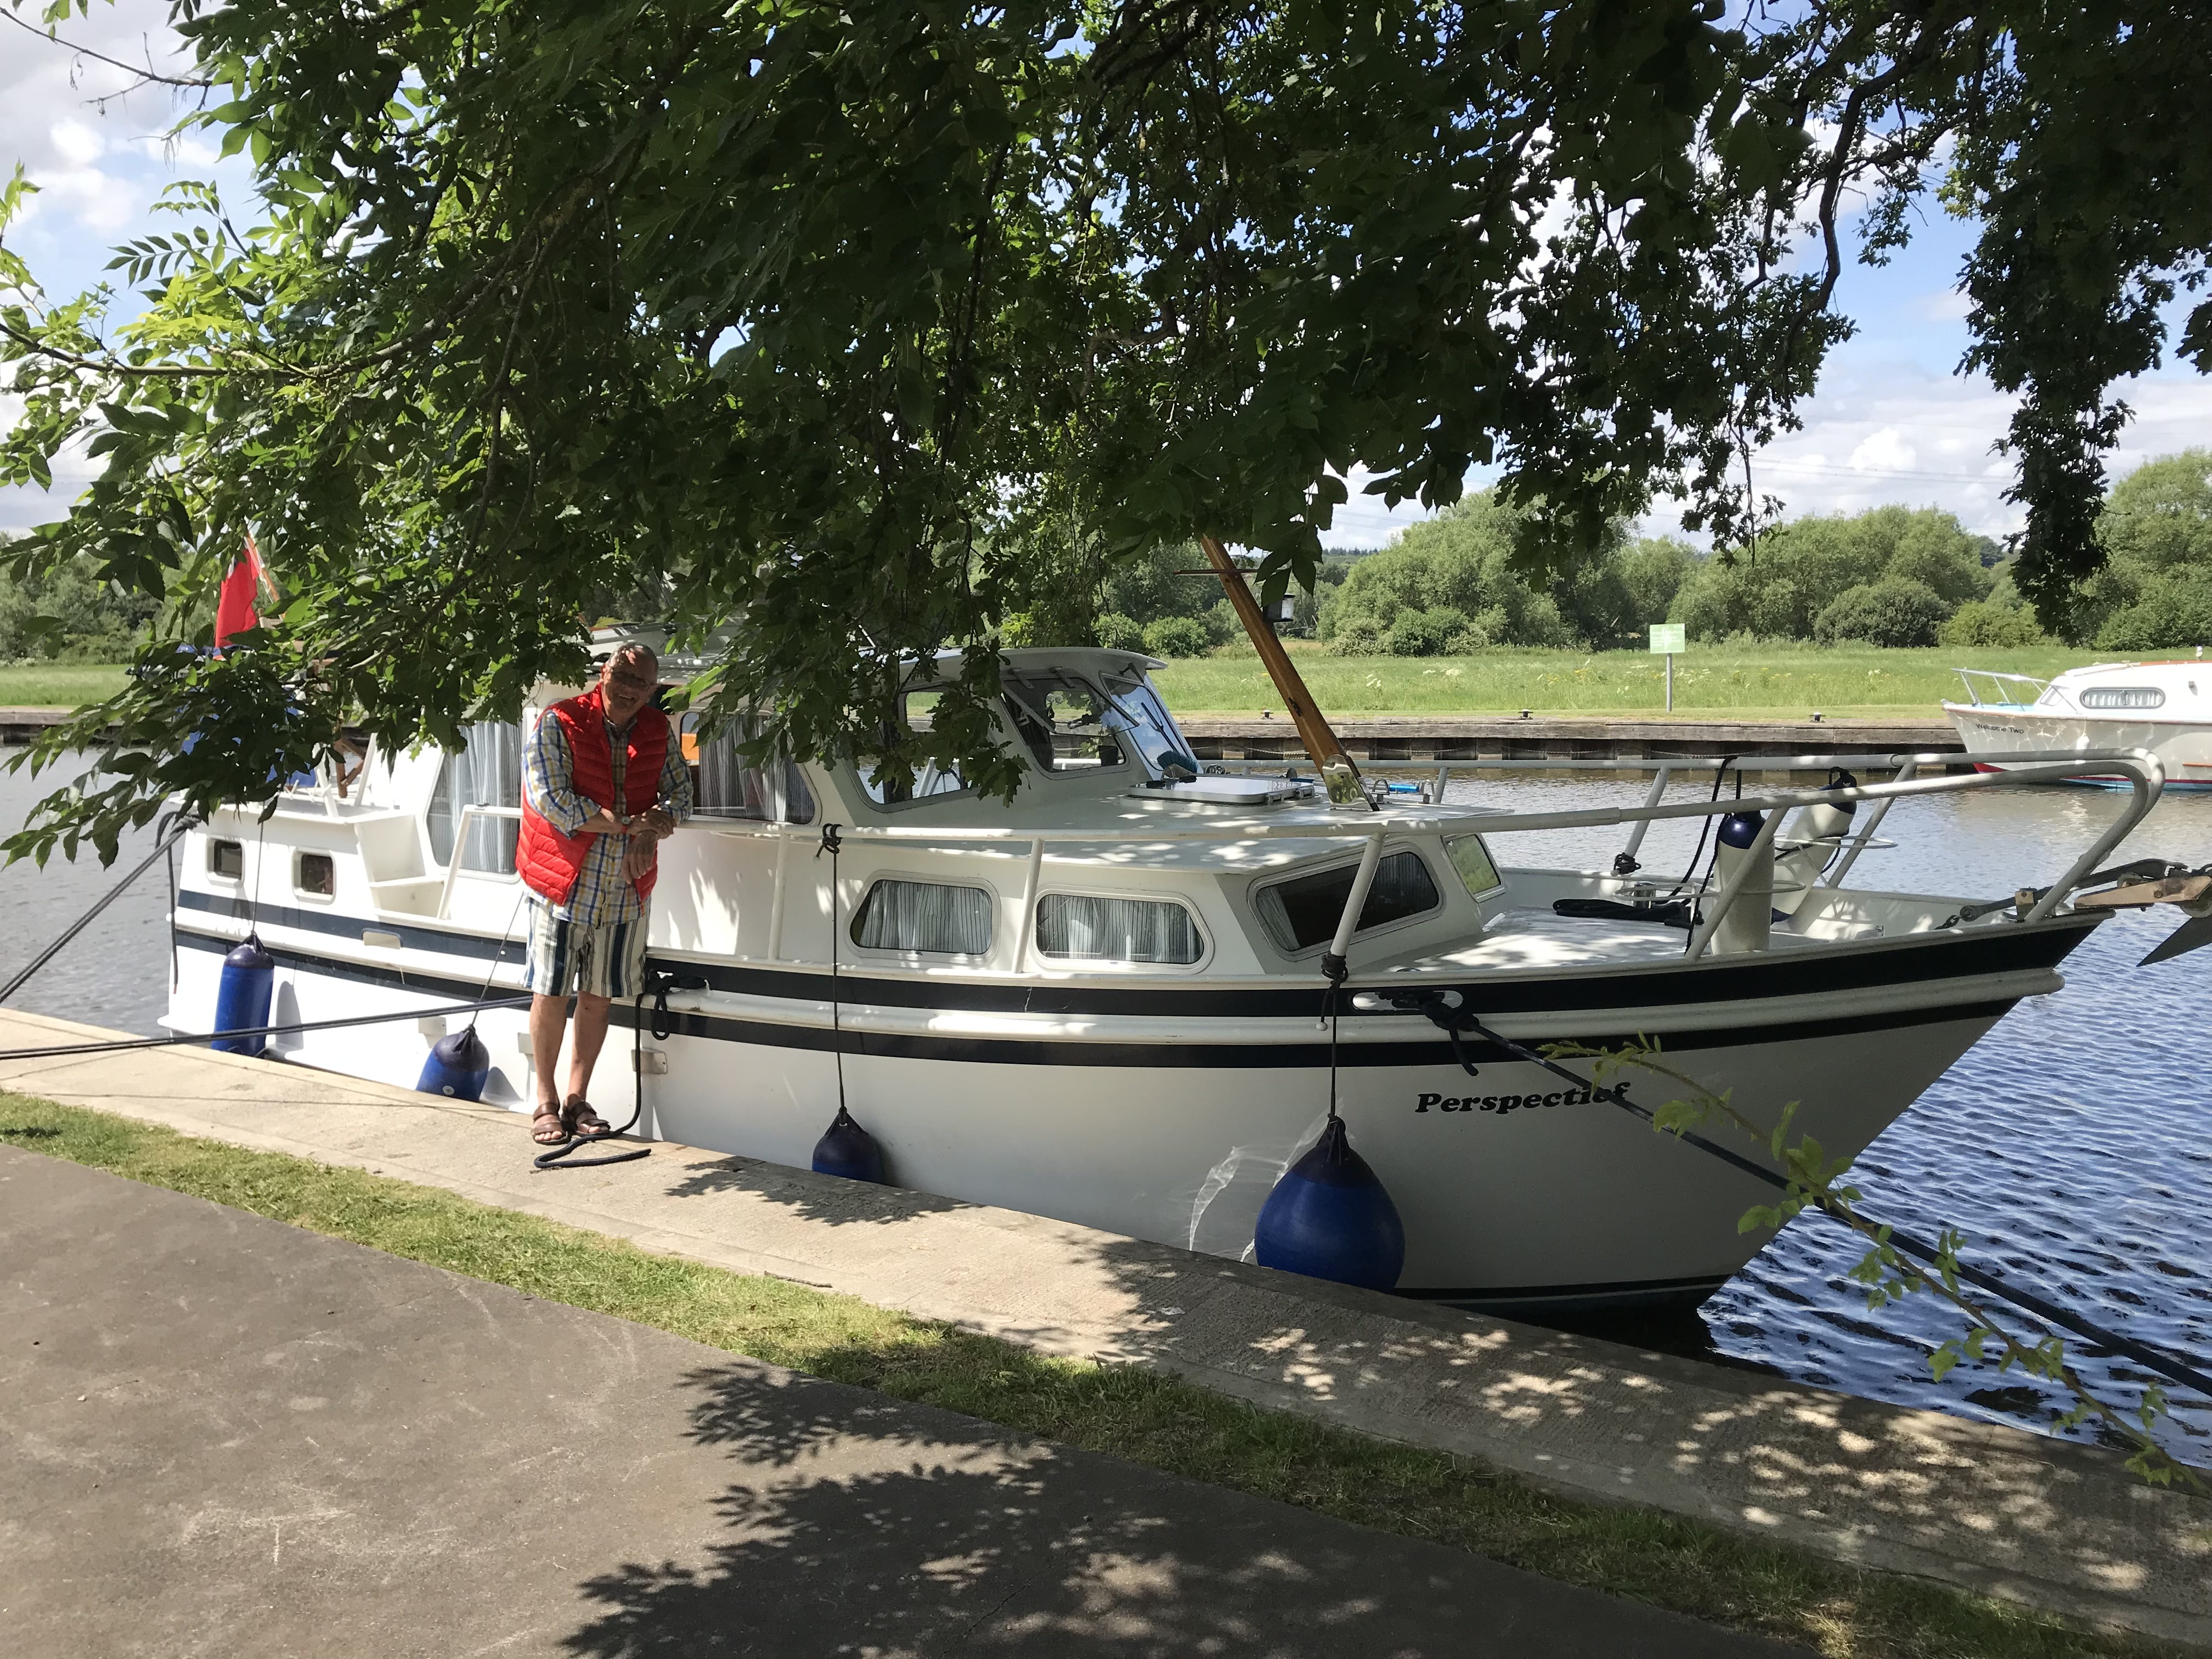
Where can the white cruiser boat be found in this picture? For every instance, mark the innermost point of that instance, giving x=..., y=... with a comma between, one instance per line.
x=1102, y=1002
x=2162, y=707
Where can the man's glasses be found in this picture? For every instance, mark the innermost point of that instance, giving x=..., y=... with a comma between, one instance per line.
x=631, y=682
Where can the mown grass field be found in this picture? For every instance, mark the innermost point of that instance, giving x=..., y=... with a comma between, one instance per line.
x=57, y=684
x=1763, y=682
x=1767, y=682
x=1143, y=1416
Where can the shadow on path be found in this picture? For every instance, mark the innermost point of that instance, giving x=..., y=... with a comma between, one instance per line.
x=860, y=1525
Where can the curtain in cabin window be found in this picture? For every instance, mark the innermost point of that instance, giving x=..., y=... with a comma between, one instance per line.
x=728, y=788
x=488, y=772
x=924, y=915
x=1094, y=929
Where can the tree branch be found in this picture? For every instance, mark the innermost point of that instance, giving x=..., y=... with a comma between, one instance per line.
x=147, y=76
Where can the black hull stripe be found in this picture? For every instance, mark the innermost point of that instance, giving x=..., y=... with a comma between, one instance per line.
x=1918, y=959
x=1076, y=1051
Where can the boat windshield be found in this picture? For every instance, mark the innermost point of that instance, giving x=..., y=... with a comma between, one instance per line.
x=1135, y=708
x=889, y=787
x=1063, y=722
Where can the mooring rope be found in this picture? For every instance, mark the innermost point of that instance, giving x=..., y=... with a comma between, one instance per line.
x=562, y=1157
x=186, y=1040
x=170, y=836
x=832, y=846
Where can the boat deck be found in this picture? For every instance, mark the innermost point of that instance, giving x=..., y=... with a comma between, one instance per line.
x=1525, y=938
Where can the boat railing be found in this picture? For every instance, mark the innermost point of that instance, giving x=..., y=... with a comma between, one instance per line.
x=1999, y=688
x=2140, y=768
x=455, y=864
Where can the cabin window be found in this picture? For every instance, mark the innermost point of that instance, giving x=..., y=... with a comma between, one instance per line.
x=726, y=785
x=2123, y=696
x=1089, y=928
x=1302, y=913
x=887, y=788
x=316, y=873
x=1062, y=722
x=485, y=771
x=1143, y=722
x=924, y=915
x=226, y=859
x=1471, y=858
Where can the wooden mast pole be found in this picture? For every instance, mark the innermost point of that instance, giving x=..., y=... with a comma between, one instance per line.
x=1337, y=771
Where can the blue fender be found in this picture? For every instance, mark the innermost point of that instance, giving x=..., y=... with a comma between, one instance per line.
x=847, y=1150
x=1330, y=1217
x=457, y=1066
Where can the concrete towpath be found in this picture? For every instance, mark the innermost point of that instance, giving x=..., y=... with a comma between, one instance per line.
x=226, y=1438
x=2056, y=1525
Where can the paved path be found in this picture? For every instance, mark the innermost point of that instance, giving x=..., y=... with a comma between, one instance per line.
x=227, y=1438
x=2059, y=1526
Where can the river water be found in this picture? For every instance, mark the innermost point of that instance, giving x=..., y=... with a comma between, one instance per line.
x=2072, y=1147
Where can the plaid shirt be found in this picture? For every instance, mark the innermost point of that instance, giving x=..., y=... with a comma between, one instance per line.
x=600, y=896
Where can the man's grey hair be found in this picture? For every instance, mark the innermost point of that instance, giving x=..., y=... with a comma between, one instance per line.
x=634, y=648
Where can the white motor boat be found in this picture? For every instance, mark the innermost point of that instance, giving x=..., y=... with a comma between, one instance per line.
x=2162, y=707
x=1104, y=1001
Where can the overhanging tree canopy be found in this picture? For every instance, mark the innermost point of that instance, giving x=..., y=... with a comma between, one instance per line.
x=819, y=318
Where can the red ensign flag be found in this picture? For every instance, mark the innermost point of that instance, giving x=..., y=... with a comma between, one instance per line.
x=235, y=607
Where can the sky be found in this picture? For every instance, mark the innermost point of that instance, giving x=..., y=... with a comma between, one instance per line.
x=1892, y=421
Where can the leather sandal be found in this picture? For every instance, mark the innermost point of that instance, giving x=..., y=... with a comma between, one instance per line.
x=549, y=1126
x=584, y=1123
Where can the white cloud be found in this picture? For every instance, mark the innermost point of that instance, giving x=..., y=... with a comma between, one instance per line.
x=1886, y=451
x=75, y=142
x=1364, y=521
x=92, y=200
x=1947, y=305
x=1922, y=437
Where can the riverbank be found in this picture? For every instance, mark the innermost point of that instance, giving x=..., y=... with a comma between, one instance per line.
x=1749, y=1502
x=1767, y=683
x=58, y=685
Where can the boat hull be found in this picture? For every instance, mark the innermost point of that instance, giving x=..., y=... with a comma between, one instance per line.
x=1166, y=1113
x=2183, y=748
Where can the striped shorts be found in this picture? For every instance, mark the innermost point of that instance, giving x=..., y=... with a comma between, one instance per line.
x=606, y=961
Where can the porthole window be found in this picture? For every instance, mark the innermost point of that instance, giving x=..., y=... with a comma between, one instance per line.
x=924, y=915
x=226, y=859
x=316, y=874
x=1302, y=913
x=2124, y=696
x=1086, y=928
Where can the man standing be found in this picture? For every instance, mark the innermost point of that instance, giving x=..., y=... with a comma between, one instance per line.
x=604, y=783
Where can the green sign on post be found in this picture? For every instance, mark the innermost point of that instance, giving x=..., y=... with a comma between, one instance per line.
x=1670, y=639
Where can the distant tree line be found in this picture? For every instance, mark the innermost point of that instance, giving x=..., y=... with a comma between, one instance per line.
x=1888, y=576
x=70, y=615
x=1451, y=585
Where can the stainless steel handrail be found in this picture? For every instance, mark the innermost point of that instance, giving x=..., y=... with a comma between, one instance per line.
x=460, y=851
x=2142, y=769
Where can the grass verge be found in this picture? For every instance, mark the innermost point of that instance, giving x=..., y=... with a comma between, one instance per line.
x=57, y=684
x=1764, y=682
x=1137, y=1415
